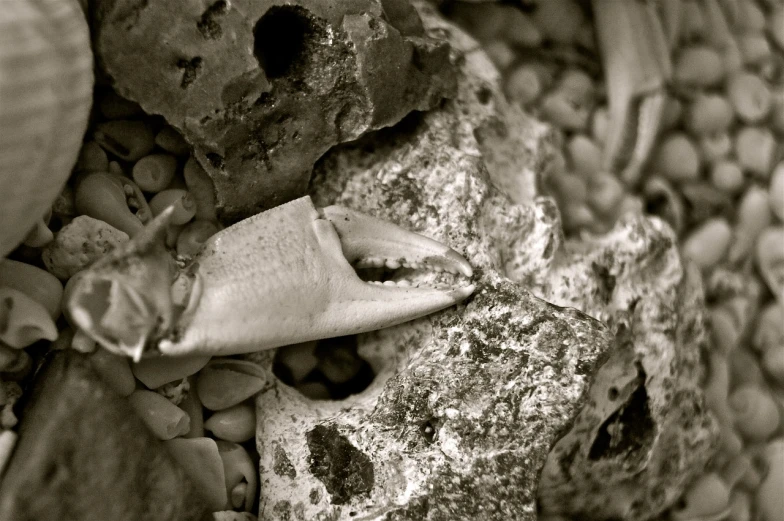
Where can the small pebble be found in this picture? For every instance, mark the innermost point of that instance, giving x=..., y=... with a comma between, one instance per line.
x=715, y=147
x=769, y=498
x=237, y=424
x=698, y=66
x=745, y=369
x=500, y=53
x=314, y=390
x=92, y=158
x=755, y=148
x=773, y=363
x=23, y=321
x=752, y=215
x=155, y=172
x=105, y=197
x=561, y=110
x=727, y=176
x=38, y=284
x=172, y=141
x=776, y=26
x=300, y=359
x=130, y=140
x=600, y=121
x=193, y=236
x=164, y=419
x=78, y=244
x=201, y=189
x=156, y=371
x=558, y=20
x=239, y=468
x=585, y=155
x=708, y=496
x=523, y=85
x=754, y=48
x=707, y=244
x=755, y=413
x=709, y=114
x=202, y=463
x=519, y=29
x=776, y=191
x=225, y=382
x=671, y=114
x=749, y=96
x=184, y=204
x=605, y=192
x=770, y=259
x=693, y=26
x=676, y=158
x=750, y=17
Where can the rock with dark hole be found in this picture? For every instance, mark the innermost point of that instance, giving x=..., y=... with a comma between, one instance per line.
x=468, y=403
x=262, y=88
x=84, y=455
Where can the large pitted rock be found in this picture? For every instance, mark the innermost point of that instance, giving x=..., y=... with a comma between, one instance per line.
x=468, y=403
x=84, y=455
x=262, y=88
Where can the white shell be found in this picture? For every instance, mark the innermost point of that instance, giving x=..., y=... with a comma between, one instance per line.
x=46, y=81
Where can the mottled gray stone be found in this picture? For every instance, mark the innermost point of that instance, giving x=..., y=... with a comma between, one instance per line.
x=468, y=403
x=262, y=88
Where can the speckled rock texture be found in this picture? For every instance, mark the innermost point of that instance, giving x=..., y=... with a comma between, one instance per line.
x=263, y=88
x=83, y=454
x=468, y=403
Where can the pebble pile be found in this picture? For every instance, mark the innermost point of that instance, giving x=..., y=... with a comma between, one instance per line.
x=131, y=167
x=716, y=175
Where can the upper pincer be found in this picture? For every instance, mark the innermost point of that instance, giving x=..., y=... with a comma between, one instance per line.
x=281, y=277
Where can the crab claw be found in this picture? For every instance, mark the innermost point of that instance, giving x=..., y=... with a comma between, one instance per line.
x=123, y=300
x=285, y=276
x=281, y=277
x=637, y=67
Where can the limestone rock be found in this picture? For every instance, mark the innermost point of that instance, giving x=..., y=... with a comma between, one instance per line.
x=467, y=403
x=83, y=455
x=262, y=88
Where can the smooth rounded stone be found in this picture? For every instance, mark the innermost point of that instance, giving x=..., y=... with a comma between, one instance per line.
x=558, y=20
x=769, y=257
x=241, y=476
x=755, y=148
x=776, y=191
x=753, y=215
x=698, y=65
x=72, y=413
x=225, y=382
x=157, y=371
x=750, y=97
x=239, y=100
x=709, y=114
x=501, y=53
x=708, y=496
x=237, y=424
x=676, y=158
x=445, y=426
x=164, y=419
x=38, y=284
x=768, y=500
x=523, y=85
x=727, y=176
x=585, y=155
x=708, y=244
x=300, y=359
x=776, y=25
x=78, y=244
x=754, y=48
x=23, y=321
x=754, y=412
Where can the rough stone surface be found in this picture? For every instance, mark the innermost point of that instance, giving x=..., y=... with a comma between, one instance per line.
x=262, y=88
x=78, y=244
x=84, y=455
x=467, y=403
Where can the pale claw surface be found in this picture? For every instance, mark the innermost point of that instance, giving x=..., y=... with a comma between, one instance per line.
x=636, y=58
x=281, y=277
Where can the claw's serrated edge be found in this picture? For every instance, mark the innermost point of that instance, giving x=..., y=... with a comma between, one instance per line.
x=363, y=236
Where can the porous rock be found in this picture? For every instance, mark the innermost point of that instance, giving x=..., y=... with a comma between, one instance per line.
x=468, y=403
x=262, y=88
x=84, y=455
x=78, y=244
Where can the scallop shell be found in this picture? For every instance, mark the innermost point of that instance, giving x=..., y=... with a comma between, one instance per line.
x=46, y=82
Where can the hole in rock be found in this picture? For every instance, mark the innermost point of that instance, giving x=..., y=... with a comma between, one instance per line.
x=329, y=369
x=279, y=39
x=629, y=429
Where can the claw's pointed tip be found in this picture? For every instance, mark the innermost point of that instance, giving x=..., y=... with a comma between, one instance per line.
x=364, y=238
